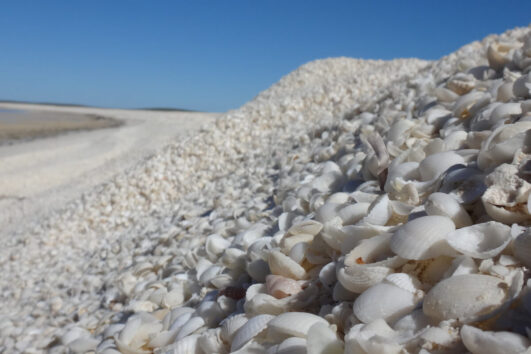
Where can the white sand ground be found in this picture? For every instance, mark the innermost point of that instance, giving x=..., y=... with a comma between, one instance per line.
x=40, y=175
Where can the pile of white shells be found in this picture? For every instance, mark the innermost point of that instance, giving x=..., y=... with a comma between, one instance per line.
x=354, y=207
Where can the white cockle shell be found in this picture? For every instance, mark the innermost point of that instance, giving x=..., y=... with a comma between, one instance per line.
x=467, y=297
x=391, y=299
x=423, y=238
x=434, y=165
x=231, y=325
x=481, y=241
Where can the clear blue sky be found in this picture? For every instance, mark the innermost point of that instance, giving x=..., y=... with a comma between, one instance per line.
x=216, y=55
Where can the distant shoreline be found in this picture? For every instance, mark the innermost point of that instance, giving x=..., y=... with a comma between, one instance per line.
x=162, y=109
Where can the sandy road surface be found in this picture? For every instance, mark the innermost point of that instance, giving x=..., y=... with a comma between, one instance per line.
x=40, y=175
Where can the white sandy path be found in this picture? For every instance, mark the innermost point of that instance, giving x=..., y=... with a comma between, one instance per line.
x=39, y=176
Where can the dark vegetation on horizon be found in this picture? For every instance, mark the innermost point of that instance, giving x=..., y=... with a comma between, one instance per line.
x=163, y=109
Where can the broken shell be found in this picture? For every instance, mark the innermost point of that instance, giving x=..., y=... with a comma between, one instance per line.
x=249, y=330
x=231, y=325
x=486, y=342
x=423, y=238
x=522, y=248
x=292, y=324
x=469, y=297
x=505, y=199
x=481, y=241
x=498, y=54
x=445, y=205
x=522, y=86
x=368, y=264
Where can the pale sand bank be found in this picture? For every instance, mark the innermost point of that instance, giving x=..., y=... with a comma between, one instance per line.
x=18, y=125
x=42, y=174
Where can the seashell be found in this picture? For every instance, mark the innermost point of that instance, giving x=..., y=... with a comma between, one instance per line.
x=266, y=304
x=498, y=54
x=522, y=248
x=327, y=274
x=423, y=238
x=467, y=298
x=445, y=205
x=327, y=182
x=188, y=345
x=211, y=312
x=233, y=258
x=505, y=92
x=505, y=111
x=78, y=332
x=461, y=83
x=461, y=265
x=378, y=160
x=502, y=144
x=522, y=86
x=429, y=271
x=466, y=185
x=412, y=323
x=192, y=325
x=486, y=342
x=83, y=345
x=288, y=242
x=163, y=339
x=249, y=330
x=215, y=245
x=292, y=345
x=391, y=299
x=375, y=337
x=258, y=270
x=445, y=95
x=470, y=102
x=308, y=227
x=434, y=165
x=327, y=211
x=323, y=340
x=338, y=198
x=380, y=211
x=506, y=197
x=209, y=274
x=231, y=325
x=298, y=252
x=481, y=241
x=280, y=264
x=368, y=264
x=210, y=341
x=352, y=213
x=292, y=324
x=281, y=287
